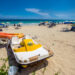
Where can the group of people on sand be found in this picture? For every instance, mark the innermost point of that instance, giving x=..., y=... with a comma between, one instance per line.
x=51, y=24
x=3, y=26
x=17, y=26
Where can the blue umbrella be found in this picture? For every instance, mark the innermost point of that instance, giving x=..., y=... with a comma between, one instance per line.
x=1, y=25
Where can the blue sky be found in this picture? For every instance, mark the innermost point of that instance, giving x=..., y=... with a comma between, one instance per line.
x=37, y=9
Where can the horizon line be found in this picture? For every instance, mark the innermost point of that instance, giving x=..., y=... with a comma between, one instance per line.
x=37, y=19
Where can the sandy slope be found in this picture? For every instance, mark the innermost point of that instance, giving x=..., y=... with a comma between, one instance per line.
x=62, y=43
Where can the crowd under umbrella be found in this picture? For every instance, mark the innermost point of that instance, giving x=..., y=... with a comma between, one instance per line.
x=51, y=25
x=5, y=25
x=18, y=25
x=43, y=23
x=1, y=25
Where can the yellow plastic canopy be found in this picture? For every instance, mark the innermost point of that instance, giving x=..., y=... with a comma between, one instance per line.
x=27, y=45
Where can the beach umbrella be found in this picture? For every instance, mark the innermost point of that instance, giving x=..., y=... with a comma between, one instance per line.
x=20, y=23
x=46, y=22
x=2, y=23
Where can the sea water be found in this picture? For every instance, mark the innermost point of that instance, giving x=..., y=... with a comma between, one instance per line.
x=28, y=21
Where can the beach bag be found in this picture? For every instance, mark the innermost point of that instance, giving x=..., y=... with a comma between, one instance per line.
x=12, y=70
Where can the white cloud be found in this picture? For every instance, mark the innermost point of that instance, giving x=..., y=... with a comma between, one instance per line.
x=37, y=11
x=63, y=16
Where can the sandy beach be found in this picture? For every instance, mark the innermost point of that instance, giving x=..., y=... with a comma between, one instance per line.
x=61, y=42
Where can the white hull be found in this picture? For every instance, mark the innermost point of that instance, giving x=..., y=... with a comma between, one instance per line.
x=29, y=57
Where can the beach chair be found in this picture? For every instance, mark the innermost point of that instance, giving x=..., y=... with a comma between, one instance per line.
x=16, y=40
